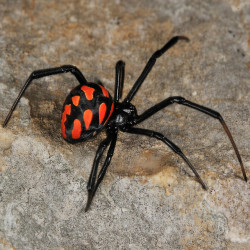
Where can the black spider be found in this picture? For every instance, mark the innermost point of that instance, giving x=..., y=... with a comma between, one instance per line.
x=89, y=108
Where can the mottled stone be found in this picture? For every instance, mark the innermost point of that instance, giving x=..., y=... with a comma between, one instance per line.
x=149, y=198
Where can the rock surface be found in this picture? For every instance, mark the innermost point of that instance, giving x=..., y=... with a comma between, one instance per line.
x=149, y=198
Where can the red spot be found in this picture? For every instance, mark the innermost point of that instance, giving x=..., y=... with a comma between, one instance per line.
x=67, y=110
x=102, y=112
x=87, y=117
x=111, y=111
x=104, y=91
x=77, y=129
x=88, y=92
x=75, y=100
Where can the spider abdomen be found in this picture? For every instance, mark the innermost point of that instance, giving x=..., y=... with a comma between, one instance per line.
x=86, y=110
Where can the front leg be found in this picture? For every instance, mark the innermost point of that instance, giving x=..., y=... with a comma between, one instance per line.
x=119, y=80
x=151, y=62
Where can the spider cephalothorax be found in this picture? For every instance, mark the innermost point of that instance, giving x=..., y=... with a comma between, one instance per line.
x=89, y=108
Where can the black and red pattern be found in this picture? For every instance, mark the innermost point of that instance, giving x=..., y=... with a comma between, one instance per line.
x=86, y=110
x=89, y=108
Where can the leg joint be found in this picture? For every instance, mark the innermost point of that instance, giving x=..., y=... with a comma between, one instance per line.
x=177, y=99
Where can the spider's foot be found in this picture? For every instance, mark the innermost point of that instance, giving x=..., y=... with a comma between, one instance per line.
x=204, y=186
x=184, y=38
x=245, y=177
x=242, y=168
x=89, y=201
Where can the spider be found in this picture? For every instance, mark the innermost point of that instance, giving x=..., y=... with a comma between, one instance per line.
x=89, y=108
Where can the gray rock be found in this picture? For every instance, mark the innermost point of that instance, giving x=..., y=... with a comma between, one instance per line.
x=149, y=198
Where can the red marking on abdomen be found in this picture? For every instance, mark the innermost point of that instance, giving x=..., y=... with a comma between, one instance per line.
x=111, y=111
x=88, y=91
x=104, y=91
x=75, y=100
x=67, y=110
x=77, y=129
x=102, y=112
x=87, y=117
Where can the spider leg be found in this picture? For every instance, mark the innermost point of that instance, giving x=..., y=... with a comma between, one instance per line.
x=92, y=178
x=119, y=80
x=208, y=111
x=42, y=73
x=105, y=165
x=169, y=143
x=151, y=63
x=92, y=183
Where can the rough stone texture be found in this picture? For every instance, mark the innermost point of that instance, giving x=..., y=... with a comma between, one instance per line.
x=149, y=198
